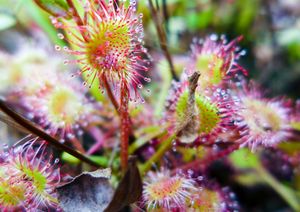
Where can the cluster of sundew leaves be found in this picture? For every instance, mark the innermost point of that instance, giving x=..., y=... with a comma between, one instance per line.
x=215, y=66
x=64, y=101
x=181, y=192
x=243, y=114
x=22, y=64
x=216, y=59
x=62, y=110
x=268, y=121
x=107, y=44
x=220, y=107
x=11, y=194
x=213, y=102
x=47, y=94
x=28, y=179
x=163, y=190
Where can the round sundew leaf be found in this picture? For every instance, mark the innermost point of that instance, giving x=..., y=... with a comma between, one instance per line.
x=64, y=106
x=167, y=192
x=38, y=179
x=210, y=67
x=261, y=117
x=11, y=195
x=111, y=50
x=182, y=106
x=94, y=87
x=217, y=73
x=102, y=49
x=12, y=190
x=203, y=62
x=208, y=200
x=208, y=114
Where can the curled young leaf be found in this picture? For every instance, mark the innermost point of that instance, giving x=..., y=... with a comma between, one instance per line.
x=187, y=132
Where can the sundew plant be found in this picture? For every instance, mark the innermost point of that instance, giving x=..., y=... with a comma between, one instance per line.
x=149, y=105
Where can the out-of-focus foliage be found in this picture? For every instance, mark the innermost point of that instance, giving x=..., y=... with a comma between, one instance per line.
x=270, y=28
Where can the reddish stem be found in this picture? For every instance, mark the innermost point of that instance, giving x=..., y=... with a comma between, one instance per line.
x=99, y=138
x=125, y=125
x=162, y=39
x=115, y=103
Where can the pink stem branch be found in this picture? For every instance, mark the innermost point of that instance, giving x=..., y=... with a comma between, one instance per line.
x=125, y=125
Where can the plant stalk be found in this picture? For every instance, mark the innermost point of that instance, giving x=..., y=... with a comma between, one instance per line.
x=165, y=146
x=162, y=39
x=285, y=192
x=125, y=125
x=41, y=134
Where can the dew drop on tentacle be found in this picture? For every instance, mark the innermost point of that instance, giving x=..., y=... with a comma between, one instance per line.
x=146, y=79
x=70, y=136
x=5, y=147
x=56, y=161
x=66, y=62
x=243, y=52
x=60, y=36
x=213, y=37
x=200, y=178
x=190, y=172
x=57, y=47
